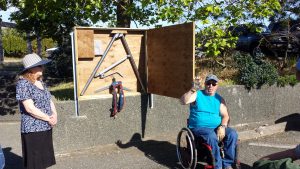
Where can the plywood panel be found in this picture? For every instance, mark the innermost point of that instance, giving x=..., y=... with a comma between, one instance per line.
x=85, y=67
x=171, y=60
x=85, y=43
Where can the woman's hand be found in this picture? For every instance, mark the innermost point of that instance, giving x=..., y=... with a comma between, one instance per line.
x=53, y=119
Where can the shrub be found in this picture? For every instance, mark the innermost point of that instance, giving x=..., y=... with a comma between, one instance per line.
x=287, y=80
x=61, y=65
x=254, y=71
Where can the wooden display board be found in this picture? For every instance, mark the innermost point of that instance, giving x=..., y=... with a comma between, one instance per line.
x=171, y=58
x=164, y=58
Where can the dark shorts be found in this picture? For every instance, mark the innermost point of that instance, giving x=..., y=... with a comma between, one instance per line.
x=37, y=149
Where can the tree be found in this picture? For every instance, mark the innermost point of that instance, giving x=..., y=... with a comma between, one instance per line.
x=56, y=19
x=48, y=19
x=213, y=19
x=285, y=20
x=3, y=6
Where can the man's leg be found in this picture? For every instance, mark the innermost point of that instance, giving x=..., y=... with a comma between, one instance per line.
x=210, y=137
x=230, y=143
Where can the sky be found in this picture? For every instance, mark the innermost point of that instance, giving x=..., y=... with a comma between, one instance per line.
x=5, y=14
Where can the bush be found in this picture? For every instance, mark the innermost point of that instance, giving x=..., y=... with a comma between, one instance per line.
x=287, y=80
x=61, y=65
x=254, y=71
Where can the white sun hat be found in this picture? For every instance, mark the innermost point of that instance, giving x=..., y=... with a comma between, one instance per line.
x=33, y=60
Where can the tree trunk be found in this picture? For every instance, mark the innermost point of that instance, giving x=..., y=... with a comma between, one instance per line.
x=123, y=20
x=1, y=44
x=28, y=43
x=39, y=44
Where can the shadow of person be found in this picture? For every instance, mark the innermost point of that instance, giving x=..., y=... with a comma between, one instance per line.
x=12, y=160
x=245, y=166
x=162, y=152
x=292, y=122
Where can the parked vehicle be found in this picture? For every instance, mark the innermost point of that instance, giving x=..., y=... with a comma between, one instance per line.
x=283, y=39
x=248, y=40
x=273, y=40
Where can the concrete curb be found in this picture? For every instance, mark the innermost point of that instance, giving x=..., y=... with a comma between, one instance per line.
x=262, y=131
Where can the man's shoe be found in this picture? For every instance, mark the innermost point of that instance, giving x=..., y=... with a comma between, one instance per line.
x=228, y=167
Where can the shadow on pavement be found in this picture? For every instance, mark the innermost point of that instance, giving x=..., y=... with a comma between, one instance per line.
x=12, y=160
x=245, y=166
x=161, y=152
x=292, y=122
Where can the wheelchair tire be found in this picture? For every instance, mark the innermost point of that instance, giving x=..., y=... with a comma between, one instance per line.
x=186, y=149
x=205, y=156
x=237, y=163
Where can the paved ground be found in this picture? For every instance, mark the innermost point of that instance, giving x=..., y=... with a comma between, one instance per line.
x=155, y=154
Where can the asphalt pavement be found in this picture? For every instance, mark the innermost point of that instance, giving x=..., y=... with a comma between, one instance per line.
x=156, y=153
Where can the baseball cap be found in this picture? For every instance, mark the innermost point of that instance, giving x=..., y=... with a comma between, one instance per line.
x=211, y=77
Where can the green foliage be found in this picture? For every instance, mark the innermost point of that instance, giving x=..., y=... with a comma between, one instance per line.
x=14, y=44
x=287, y=80
x=50, y=19
x=214, y=17
x=254, y=72
x=61, y=64
x=290, y=11
x=56, y=18
x=63, y=91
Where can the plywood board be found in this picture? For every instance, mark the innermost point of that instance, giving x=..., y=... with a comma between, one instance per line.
x=85, y=67
x=171, y=59
x=85, y=43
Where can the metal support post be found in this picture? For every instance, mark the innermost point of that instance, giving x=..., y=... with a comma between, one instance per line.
x=134, y=67
x=151, y=104
x=74, y=74
x=101, y=74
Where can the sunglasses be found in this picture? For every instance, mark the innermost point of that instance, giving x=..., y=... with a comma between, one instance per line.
x=211, y=83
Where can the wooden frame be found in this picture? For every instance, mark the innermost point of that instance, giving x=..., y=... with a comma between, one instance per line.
x=164, y=58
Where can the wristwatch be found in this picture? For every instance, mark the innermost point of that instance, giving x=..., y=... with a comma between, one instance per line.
x=223, y=125
x=193, y=90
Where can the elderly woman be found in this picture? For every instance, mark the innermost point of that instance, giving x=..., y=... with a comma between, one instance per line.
x=38, y=114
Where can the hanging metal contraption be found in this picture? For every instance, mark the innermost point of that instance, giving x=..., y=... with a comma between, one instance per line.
x=128, y=56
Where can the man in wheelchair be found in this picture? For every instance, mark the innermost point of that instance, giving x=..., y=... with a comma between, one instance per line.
x=208, y=120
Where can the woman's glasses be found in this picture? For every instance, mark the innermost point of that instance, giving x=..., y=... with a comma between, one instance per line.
x=211, y=83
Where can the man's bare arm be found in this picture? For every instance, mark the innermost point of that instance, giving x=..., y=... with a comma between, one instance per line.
x=189, y=97
x=224, y=113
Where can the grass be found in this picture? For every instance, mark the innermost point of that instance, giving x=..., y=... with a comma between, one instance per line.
x=63, y=91
x=227, y=82
x=12, y=59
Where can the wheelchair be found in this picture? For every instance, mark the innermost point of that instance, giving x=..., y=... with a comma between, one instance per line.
x=194, y=153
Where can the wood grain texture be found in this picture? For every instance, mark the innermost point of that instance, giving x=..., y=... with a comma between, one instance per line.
x=85, y=44
x=171, y=59
x=85, y=67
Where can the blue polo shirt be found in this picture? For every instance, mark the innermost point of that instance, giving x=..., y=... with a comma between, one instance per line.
x=205, y=112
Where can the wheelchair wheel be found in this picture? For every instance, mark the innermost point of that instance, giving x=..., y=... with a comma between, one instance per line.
x=186, y=149
x=237, y=163
x=206, y=159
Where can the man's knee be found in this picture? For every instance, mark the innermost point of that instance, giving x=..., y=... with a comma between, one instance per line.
x=212, y=136
x=231, y=133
